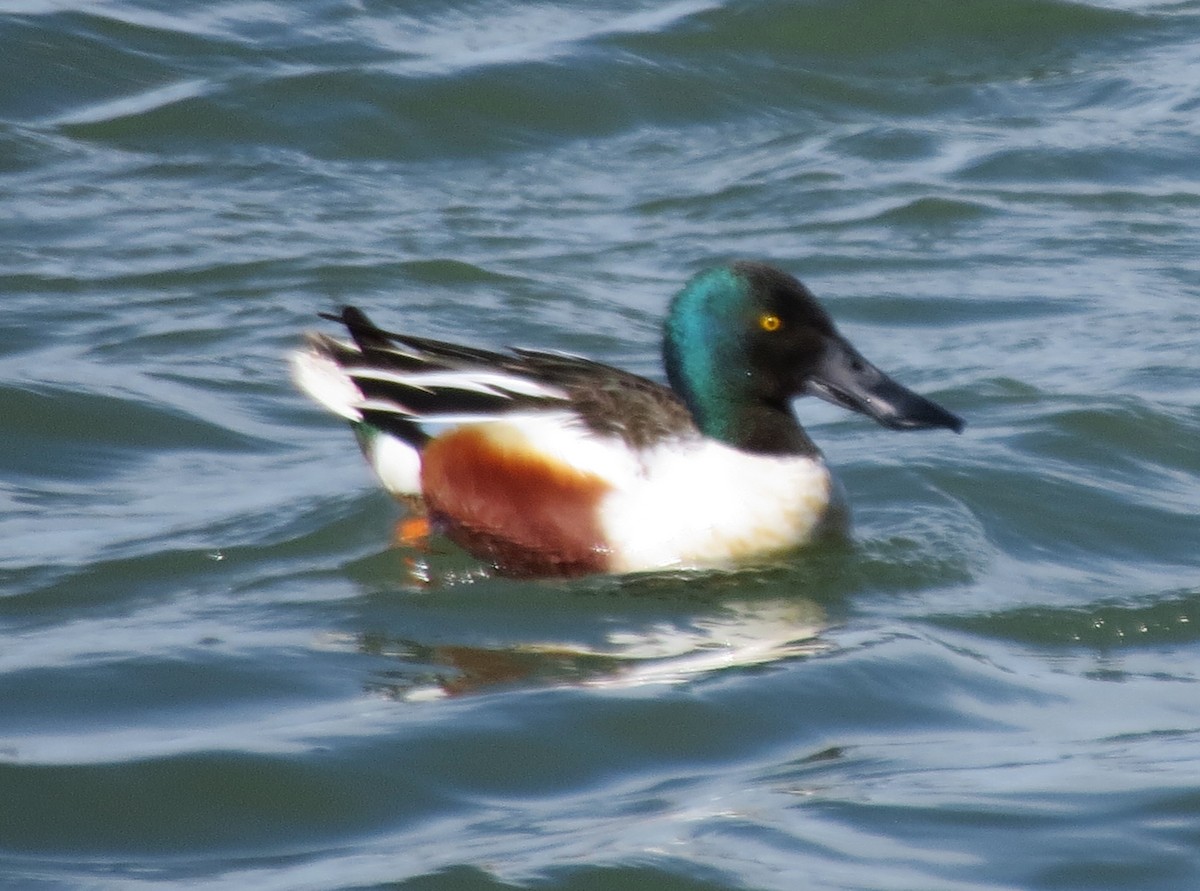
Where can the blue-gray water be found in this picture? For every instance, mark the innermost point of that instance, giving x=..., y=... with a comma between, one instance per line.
x=216, y=673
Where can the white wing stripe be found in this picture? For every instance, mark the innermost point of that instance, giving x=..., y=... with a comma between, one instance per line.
x=481, y=381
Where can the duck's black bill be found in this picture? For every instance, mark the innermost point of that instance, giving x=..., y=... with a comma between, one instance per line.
x=845, y=378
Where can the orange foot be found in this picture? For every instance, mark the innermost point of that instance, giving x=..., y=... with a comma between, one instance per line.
x=412, y=532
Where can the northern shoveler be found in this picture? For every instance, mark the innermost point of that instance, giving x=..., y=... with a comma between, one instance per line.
x=550, y=464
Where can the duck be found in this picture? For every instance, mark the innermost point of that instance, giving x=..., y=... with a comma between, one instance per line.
x=544, y=463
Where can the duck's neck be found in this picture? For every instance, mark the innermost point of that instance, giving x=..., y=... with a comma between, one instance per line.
x=726, y=406
x=767, y=430
x=759, y=428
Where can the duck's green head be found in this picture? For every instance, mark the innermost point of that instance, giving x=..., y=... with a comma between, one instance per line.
x=741, y=341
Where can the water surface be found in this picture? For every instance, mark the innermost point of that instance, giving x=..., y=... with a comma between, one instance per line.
x=216, y=672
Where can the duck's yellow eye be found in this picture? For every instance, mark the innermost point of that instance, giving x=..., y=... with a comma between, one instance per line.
x=769, y=322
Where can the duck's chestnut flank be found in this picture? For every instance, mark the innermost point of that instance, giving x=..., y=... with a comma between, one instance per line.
x=496, y=496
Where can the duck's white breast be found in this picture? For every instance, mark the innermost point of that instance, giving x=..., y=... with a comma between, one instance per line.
x=705, y=504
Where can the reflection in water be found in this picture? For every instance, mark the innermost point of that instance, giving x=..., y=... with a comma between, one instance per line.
x=662, y=651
